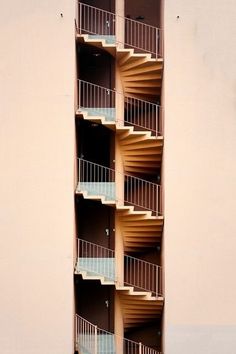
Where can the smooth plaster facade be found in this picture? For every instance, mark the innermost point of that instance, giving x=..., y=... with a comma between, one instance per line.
x=200, y=177
x=37, y=69
x=37, y=177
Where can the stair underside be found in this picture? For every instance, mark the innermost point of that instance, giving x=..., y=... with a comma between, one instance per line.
x=139, y=232
x=142, y=153
x=141, y=74
x=138, y=311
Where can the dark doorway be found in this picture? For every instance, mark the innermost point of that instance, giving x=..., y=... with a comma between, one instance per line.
x=95, y=303
x=144, y=11
x=96, y=66
x=95, y=222
x=107, y=5
x=149, y=335
x=95, y=143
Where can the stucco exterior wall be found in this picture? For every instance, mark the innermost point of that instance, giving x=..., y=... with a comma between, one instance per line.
x=200, y=175
x=37, y=71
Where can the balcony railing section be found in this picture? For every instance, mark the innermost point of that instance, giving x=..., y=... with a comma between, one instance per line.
x=100, y=101
x=95, y=260
x=100, y=261
x=96, y=100
x=98, y=23
x=97, y=180
x=143, y=275
x=142, y=194
x=143, y=115
x=95, y=21
x=91, y=339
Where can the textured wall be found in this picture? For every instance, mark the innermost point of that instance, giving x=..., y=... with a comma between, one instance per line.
x=36, y=190
x=200, y=175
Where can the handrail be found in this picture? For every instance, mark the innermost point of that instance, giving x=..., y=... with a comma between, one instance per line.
x=138, y=35
x=102, y=101
x=95, y=259
x=143, y=275
x=100, y=180
x=92, y=339
x=138, y=273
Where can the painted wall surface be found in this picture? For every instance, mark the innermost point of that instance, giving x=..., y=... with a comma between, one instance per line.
x=36, y=191
x=200, y=176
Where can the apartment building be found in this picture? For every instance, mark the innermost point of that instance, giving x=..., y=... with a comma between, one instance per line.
x=118, y=181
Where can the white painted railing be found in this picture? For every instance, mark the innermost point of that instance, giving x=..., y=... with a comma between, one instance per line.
x=98, y=260
x=138, y=35
x=100, y=181
x=95, y=260
x=143, y=275
x=142, y=194
x=101, y=101
x=91, y=339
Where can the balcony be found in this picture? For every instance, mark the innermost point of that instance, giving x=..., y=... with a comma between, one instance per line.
x=98, y=181
x=97, y=261
x=90, y=339
x=104, y=25
x=97, y=101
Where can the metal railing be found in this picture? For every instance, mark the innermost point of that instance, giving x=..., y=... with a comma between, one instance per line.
x=95, y=259
x=95, y=21
x=140, y=114
x=91, y=339
x=98, y=180
x=140, y=36
x=142, y=194
x=98, y=260
x=143, y=275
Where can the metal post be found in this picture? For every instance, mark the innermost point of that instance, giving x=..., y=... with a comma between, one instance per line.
x=157, y=111
x=78, y=249
x=140, y=348
x=79, y=94
x=79, y=174
x=95, y=340
x=76, y=333
x=157, y=281
x=80, y=18
x=157, y=43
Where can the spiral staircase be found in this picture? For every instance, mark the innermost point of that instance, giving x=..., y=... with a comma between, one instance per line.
x=137, y=120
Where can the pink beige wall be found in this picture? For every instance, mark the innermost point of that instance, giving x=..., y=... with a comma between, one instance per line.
x=200, y=176
x=36, y=190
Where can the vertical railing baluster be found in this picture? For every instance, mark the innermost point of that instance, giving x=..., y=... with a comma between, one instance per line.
x=156, y=51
